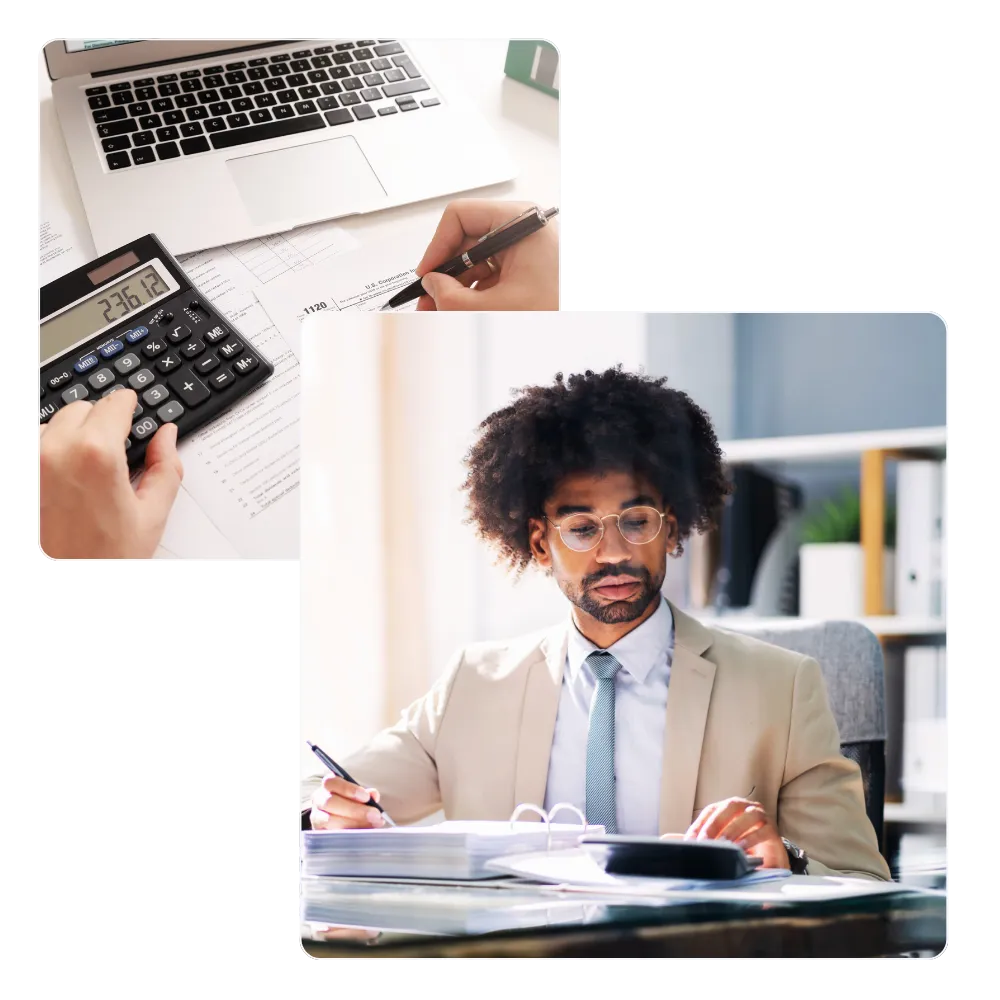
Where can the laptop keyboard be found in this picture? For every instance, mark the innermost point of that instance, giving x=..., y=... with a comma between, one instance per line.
x=220, y=105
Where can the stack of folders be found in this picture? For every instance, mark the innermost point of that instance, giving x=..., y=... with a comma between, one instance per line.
x=449, y=850
x=921, y=530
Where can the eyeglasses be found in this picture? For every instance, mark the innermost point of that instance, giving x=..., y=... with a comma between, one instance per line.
x=582, y=532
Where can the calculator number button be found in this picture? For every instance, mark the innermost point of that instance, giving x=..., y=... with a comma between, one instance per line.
x=189, y=387
x=179, y=334
x=171, y=411
x=216, y=334
x=142, y=429
x=141, y=378
x=193, y=349
x=57, y=381
x=231, y=349
x=110, y=350
x=158, y=394
x=245, y=365
x=85, y=364
x=127, y=363
x=137, y=412
x=101, y=379
x=207, y=364
x=137, y=334
x=168, y=363
x=222, y=379
x=75, y=392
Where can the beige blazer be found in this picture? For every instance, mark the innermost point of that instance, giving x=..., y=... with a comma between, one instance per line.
x=741, y=714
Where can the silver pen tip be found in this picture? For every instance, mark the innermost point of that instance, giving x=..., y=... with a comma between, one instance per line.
x=551, y=212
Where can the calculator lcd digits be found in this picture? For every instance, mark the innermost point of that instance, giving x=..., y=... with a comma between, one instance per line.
x=131, y=319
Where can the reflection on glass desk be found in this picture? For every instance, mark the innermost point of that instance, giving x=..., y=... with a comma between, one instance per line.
x=353, y=917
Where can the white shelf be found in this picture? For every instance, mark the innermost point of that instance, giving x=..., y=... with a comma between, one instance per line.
x=900, y=812
x=819, y=447
x=882, y=625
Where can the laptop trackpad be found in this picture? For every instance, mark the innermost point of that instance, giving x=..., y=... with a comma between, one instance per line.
x=320, y=180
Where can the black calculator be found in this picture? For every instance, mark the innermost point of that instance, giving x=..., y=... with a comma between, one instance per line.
x=131, y=319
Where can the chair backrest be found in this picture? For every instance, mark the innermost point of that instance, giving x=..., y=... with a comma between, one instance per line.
x=850, y=658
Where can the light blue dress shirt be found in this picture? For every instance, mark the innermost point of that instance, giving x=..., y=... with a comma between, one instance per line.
x=641, y=685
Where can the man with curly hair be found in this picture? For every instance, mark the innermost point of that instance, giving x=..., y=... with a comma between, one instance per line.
x=646, y=720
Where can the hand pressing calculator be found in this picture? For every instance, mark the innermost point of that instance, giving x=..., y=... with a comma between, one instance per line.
x=131, y=319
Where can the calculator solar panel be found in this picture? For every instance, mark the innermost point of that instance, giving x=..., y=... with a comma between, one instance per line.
x=131, y=319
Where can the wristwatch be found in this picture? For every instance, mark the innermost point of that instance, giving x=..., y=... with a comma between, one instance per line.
x=797, y=859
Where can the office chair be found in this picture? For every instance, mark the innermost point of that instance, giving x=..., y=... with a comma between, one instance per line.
x=850, y=658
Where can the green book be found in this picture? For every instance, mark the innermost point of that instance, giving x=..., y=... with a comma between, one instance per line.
x=535, y=63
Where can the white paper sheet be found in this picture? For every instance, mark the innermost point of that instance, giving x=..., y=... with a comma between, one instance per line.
x=362, y=280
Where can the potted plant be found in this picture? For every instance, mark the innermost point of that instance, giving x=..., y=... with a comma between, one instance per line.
x=831, y=561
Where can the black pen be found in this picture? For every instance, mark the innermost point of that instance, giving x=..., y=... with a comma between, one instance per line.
x=493, y=242
x=329, y=762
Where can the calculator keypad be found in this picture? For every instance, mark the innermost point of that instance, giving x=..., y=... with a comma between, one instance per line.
x=179, y=362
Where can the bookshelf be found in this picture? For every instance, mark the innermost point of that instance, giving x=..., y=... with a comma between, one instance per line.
x=873, y=450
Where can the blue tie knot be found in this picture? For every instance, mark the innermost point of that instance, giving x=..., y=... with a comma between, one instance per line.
x=604, y=665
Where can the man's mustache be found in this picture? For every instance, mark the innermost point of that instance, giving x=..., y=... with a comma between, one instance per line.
x=639, y=572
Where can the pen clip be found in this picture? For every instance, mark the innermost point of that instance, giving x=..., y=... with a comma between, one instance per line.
x=527, y=213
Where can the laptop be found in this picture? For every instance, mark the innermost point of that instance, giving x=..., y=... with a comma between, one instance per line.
x=210, y=142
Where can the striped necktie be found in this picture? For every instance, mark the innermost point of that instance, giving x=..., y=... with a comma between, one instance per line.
x=600, y=802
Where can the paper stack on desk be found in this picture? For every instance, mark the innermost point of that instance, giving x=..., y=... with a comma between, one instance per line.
x=449, y=850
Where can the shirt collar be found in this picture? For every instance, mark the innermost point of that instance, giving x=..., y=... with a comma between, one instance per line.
x=638, y=651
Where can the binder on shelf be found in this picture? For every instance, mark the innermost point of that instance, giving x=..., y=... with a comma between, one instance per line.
x=453, y=850
x=925, y=748
x=919, y=539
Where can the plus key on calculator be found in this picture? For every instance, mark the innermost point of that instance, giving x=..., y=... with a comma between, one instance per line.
x=132, y=319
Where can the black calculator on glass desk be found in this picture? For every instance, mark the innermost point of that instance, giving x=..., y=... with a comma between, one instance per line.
x=131, y=319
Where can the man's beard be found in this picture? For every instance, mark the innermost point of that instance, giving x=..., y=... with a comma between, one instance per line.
x=616, y=612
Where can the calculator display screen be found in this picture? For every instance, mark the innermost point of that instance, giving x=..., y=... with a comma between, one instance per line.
x=102, y=309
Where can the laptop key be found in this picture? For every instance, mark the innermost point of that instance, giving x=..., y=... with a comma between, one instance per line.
x=190, y=73
x=275, y=83
x=353, y=84
x=281, y=57
x=374, y=94
x=115, y=143
x=306, y=107
x=163, y=104
x=117, y=128
x=430, y=102
x=278, y=69
x=145, y=93
x=236, y=65
x=228, y=93
x=260, y=115
x=392, y=49
x=143, y=139
x=365, y=111
x=387, y=111
x=220, y=108
x=146, y=81
x=331, y=88
x=374, y=80
x=143, y=155
x=166, y=78
x=284, y=111
x=124, y=85
x=109, y=115
x=257, y=73
x=300, y=65
x=262, y=61
x=317, y=75
x=168, y=89
x=343, y=58
x=190, y=86
x=265, y=101
x=321, y=62
x=271, y=130
x=173, y=117
x=122, y=97
x=150, y=121
x=287, y=96
x=237, y=121
x=349, y=99
x=364, y=54
x=327, y=103
x=185, y=100
x=406, y=87
x=238, y=77
x=394, y=75
x=167, y=150
x=91, y=91
x=215, y=125
x=339, y=72
x=100, y=101
x=381, y=64
x=208, y=97
x=309, y=92
x=254, y=87
x=344, y=46
x=302, y=54
x=198, y=113
x=408, y=106
x=242, y=104
x=118, y=160
x=213, y=81
x=167, y=134
x=322, y=50
x=199, y=144
x=189, y=129
x=296, y=80
x=359, y=69
x=212, y=69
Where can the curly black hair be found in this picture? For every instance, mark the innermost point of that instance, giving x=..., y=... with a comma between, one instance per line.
x=600, y=422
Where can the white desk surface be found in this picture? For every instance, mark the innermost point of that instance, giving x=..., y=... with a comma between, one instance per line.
x=526, y=120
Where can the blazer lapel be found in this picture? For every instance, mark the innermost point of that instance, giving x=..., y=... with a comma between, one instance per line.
x=690, y=690
x=538, y=720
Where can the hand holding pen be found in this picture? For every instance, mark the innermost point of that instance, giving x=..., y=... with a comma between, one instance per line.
x=524, y=275
x=340, y=803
